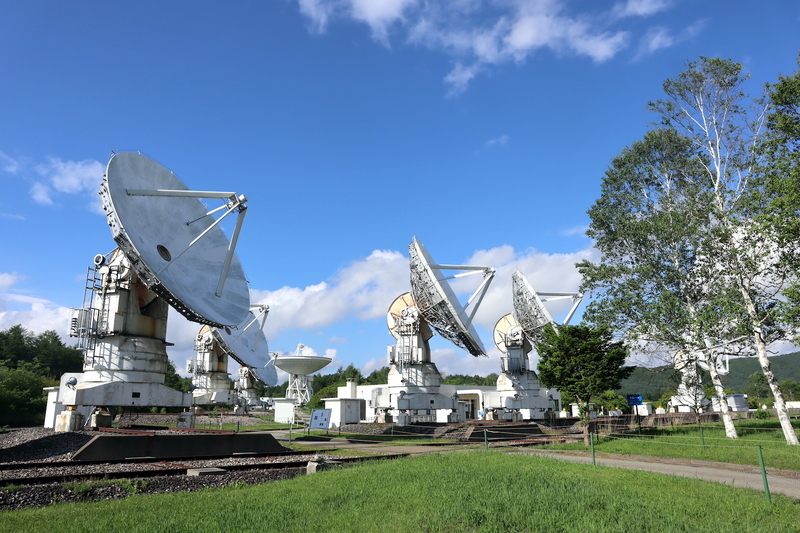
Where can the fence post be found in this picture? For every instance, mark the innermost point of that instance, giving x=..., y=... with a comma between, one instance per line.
x=591, y=440
x=486, y=439
x=763, y=473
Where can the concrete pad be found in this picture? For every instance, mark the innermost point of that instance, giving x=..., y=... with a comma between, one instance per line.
x=196, y=472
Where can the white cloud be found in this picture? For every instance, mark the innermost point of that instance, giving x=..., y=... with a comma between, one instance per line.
x=503, y=139
x=9, y=164
x=576, y=230
x=478, y=35
x=7, y=280
x=364, y=290
x=459, y=78
x=68, y=177
x=659, y=38
x=41, y=315
x=379, y=15
x=40, y=193
x=640, y=8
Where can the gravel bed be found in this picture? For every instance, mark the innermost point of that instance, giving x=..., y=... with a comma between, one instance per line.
x=39, y=444
x=44, y=495
x=31, y=445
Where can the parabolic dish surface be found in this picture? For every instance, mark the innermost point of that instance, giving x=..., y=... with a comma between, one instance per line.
x=301, y=365
x=437, y=302
x=154, y=235
x=529, y=310
x=249, y=347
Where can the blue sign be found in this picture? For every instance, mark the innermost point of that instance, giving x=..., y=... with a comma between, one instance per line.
x=634, y=399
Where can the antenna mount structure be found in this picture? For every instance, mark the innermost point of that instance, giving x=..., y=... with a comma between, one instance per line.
x=171, y=252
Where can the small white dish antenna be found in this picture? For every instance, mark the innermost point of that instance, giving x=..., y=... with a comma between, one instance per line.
x=249, y=347
x=173, y=242
x=301, y=365
x=437, y=302
x=529, y=310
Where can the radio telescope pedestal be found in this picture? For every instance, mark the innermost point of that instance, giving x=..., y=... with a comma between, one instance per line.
x=514, y=335
x=517, y=383
x=414, y=380
x=171, y=252
x=246, y=344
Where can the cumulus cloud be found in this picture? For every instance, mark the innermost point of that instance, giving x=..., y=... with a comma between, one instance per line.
x=480, y=35
x=658, y=38
x=366, y=288
x=363, y=290
x=34, y=314
x=9, y=164
x=640, y=8
x=503, y=139
x=68, y=177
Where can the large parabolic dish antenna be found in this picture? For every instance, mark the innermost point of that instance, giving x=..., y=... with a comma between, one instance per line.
x=529, y=309
x=249, y=347
x=437, y=302
x=176, y=247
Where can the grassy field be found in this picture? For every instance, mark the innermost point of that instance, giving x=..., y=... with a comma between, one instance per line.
x=458, y=492
x=710, y=444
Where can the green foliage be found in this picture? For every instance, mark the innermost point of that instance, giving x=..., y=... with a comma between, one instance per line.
x=173, y=380
x=22, y=395
x=581, y=360
x=326, y=392
x=44, y=354
x=463, y=379
x=378, y=377
x=757, y=387
x=611, y=400
x=791, y=390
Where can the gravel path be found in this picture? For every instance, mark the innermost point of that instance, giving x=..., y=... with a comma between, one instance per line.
x=31, y=445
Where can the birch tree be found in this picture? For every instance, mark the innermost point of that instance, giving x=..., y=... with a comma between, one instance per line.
x=706, y=104
x=740, y=261
x=649, y=223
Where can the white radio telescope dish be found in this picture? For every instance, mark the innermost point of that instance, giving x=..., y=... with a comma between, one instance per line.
x=249, y=347
x=437, y=302
x=176, y=247
x=529, y=309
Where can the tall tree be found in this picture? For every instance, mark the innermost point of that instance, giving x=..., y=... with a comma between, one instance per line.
x=706, y=103
x=582, y=361
x=649, y=223
x=736, y=257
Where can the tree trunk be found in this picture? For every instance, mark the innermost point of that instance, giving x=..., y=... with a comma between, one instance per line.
x=727, y=419
x=584, y=412
x=780, y=405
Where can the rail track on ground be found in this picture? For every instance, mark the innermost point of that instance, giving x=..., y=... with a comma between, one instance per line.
x=36, y=473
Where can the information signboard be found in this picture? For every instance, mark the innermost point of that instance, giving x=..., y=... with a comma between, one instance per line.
x=634, y=399
x=320, y=419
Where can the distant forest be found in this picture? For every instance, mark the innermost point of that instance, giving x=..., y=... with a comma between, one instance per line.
x=652, y=383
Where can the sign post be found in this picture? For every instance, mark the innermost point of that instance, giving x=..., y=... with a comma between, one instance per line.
x=635, y=400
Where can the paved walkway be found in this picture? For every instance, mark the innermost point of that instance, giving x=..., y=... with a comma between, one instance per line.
x=780, y=481
x=785, y=482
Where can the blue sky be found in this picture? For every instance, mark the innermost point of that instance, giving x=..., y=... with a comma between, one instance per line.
x=481, y=127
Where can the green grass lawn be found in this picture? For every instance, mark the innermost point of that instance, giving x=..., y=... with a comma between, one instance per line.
x=688, y=442
x=456, y=492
